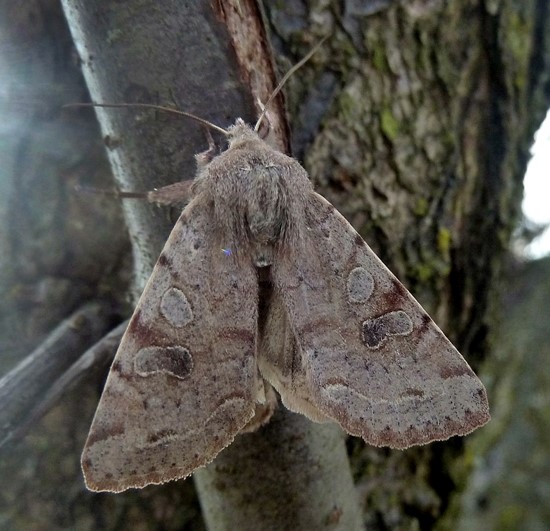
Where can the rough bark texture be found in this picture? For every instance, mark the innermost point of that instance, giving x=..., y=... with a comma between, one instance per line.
x=441, y=100
x=414, y=120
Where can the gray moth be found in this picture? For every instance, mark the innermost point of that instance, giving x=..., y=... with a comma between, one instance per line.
x=335, y=333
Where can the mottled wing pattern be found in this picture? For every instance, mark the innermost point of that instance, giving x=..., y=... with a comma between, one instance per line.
x=372, y=358
x=184, y=380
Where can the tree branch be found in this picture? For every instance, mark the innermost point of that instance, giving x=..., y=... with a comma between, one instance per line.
x=32, y=387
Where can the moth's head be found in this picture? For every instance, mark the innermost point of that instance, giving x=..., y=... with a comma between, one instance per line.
x=241, y=134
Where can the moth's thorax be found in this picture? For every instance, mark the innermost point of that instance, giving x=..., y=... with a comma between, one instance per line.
x=258, y=194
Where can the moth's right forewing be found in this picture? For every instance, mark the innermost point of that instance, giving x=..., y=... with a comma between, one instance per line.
x=184, y=380
x=371, y=357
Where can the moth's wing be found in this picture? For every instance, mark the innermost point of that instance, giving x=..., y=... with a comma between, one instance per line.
x=184, y=380
x=280, y=360
x=368, y=355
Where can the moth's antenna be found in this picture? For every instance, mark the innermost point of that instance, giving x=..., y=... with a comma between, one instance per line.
x=285, y=78
x=155, y=107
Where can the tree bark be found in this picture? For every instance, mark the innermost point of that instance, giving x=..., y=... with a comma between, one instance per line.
x=414, y=120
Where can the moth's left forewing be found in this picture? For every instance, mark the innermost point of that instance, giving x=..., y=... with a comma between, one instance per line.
x=373, y=359
x=184, y=381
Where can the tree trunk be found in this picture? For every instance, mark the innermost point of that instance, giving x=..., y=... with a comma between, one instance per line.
x=414, y=120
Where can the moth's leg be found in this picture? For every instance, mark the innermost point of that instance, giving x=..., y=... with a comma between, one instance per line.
x=167, y=195
x=171, y=194
x=264, y=409
x=181, y=191
x=206, y=156
x=111, y=193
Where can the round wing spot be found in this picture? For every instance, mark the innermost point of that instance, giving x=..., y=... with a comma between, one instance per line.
x=175, y=361
x=376, y=331
x=175, y=307
x=360, y=285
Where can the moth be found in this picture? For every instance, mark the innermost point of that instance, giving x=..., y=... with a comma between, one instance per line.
x=336, y=334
